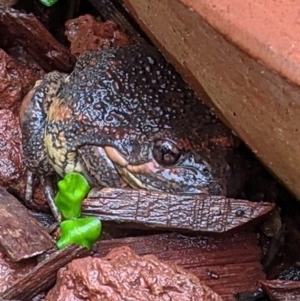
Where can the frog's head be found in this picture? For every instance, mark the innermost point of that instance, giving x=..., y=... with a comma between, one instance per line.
x=165, y=162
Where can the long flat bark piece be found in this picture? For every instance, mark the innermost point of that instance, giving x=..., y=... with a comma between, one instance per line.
x=280, y=290
x=199, y=213
x=43, y=275
x=21, y=235
x=228, y=264
x=36, y=39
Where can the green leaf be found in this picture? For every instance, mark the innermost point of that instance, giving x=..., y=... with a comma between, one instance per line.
x=72, y=190
x=48, y=2
x=82, y=231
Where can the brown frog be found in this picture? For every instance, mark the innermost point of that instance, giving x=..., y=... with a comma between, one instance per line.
x=125, y=116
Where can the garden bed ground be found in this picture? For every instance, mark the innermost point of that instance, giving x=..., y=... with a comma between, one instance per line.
x=236, y=264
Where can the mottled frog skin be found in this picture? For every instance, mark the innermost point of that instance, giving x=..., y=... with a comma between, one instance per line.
x=126, y=116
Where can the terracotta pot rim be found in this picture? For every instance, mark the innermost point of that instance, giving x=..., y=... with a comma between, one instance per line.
x=266, y=30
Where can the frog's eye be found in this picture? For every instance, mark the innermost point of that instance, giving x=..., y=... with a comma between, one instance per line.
x=166, y=152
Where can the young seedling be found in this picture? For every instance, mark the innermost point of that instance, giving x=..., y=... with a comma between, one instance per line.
x=48, y=2
x=72, y=190
x=82, y=231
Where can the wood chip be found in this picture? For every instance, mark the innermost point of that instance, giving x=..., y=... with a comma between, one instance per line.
x=228, y=264
x=281, y=290
x=36, y=39
x=11, y=271
x=43, y=275
x=200, y=213
x=21, y=235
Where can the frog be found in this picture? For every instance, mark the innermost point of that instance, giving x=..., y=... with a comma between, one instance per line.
x=124, y=117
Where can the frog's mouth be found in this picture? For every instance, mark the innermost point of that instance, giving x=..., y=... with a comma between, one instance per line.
x=128, y=171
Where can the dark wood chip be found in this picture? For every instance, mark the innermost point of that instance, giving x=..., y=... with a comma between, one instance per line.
x=200, y=213
x=43, y=275
x=228, y=264
x=282, y=290
x=36, y=39
x=21, y=235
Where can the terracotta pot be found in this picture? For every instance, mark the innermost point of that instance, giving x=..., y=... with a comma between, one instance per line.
x=245, y=56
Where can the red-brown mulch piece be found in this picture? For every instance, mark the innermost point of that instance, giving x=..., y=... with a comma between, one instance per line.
x=43, y=275
x=86, y=33
x=11, y=160
x=36, y=39
x=124, y=275
x=282, y=290
x=227, y=264
x=11, y=271
x=8, y=2
x=21, y=235
x=10, y=82
x=199, y=213
x=17, y=77
x=30, y=71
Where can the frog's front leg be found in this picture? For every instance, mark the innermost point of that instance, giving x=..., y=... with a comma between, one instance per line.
x=50, y=195
x=29, y=187
x=49, y=192
x=33, y=115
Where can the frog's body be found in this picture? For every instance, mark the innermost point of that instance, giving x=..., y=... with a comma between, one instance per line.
x=125, y=114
